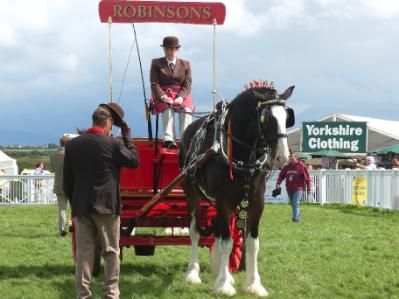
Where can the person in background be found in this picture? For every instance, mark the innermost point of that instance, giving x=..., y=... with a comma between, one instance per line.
x=395, y=163
x=57, y=162
x=91, y=177
x=171, y=82
x=2, y=172
x=297, y=178
x=370, y=164
x=39, y=170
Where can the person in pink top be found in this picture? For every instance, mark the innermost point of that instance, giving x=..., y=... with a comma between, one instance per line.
x=297, y=178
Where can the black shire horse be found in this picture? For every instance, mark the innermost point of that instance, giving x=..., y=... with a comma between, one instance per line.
x=248, y=135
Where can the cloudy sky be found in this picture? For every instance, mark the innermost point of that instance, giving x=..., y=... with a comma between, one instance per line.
x=340, y=54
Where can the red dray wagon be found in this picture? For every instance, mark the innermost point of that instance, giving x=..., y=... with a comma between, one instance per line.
x=151, y=195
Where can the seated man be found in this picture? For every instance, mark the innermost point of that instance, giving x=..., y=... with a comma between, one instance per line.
x=171, y=89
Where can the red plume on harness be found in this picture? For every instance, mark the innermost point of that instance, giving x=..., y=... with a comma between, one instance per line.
x=258, y=84
x=230, y=149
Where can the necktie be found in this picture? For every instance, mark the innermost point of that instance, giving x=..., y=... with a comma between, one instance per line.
x=172, y=66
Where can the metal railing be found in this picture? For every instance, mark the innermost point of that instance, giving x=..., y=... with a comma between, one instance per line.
x=330, y=186
x=27, y=189
x=381, y=187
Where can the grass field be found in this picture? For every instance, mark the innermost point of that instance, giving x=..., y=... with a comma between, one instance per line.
x=336, y=252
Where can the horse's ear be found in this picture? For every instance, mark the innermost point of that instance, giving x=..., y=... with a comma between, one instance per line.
x=287, y=93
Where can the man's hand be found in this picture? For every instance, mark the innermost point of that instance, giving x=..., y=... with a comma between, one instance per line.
x=168, y=100
x=125, y=130
x=178, y=101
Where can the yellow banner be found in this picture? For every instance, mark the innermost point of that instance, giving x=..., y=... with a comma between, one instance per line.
x=359, y=192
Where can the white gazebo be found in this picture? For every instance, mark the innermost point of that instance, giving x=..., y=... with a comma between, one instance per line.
x=8, y=164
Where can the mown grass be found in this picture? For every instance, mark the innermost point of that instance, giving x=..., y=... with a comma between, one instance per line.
x=336, y=252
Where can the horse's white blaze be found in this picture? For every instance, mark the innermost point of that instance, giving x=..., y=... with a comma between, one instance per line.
x=223, y=283
x=282, y=151
x=193, y=268
x=252, y=282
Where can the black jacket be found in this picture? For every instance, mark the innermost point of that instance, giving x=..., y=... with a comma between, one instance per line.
x=92, y=165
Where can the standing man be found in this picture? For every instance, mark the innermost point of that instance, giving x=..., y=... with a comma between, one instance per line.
x=171, y=89
x=296, y=177
x=91, y=182
x=57, y=162
x=370, y=164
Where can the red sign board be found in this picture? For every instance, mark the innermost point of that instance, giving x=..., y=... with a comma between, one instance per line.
x=125, y=11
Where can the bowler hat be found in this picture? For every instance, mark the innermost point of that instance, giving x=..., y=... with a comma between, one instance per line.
x=170, y=42
x=116, y=111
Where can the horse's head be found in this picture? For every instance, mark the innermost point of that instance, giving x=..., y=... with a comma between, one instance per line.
x=274, y=117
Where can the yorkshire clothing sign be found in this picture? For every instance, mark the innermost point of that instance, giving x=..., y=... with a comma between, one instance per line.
x=345, y=137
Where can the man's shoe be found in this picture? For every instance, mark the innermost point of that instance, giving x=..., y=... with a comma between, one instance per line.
x=169, y=145
x=63, y=233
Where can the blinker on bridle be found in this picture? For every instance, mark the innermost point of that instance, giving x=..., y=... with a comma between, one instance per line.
x=263, y=109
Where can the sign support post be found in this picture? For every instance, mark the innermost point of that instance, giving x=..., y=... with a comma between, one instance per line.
x=110, y=56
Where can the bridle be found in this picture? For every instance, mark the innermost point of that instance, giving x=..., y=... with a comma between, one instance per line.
x=260, y=151
x=262, y=111
x=261, y=143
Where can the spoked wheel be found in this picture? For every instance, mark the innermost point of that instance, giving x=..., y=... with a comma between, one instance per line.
x=97, y=258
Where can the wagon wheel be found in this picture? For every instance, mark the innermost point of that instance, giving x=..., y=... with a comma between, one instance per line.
x=72, y=230
x=97, y=258
x=237, y=256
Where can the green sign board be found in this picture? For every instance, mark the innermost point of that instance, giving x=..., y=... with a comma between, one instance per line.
x=345, y=137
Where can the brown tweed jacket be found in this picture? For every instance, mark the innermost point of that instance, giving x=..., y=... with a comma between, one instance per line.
x=162, y=75
x=57, y=162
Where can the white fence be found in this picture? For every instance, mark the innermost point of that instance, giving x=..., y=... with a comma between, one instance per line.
x=330, y=186
x=338, y=186
x=27, y=189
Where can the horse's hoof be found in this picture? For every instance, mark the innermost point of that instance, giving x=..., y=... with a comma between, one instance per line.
x=193, y=277
x=256, y=289
x=225, y=289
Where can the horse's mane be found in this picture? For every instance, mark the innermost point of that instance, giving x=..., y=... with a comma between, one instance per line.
x=244, y=104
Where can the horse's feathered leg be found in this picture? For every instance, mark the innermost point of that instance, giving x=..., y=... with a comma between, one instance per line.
x=193, y=268
x=224, y=245
x=252, y=283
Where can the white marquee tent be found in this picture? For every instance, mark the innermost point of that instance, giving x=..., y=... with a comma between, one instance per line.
x=9, y=164
x=381, y=133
